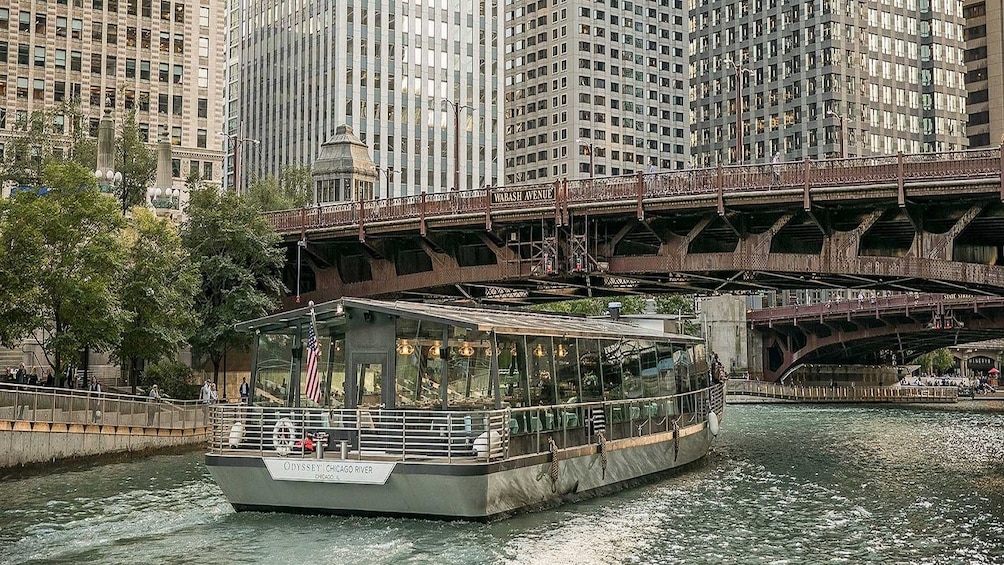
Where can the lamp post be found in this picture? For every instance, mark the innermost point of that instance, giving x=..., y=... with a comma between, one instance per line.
x=237, y=141
x=740, y=69
x=108, y=178
x=388, y=173
x=588, y=144
x=840, y=131
x=457, y=107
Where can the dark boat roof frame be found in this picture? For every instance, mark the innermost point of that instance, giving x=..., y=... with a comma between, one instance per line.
x=332, y=315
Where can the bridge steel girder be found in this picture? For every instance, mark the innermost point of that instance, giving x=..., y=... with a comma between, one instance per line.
x=858, y=339
x=748, y=236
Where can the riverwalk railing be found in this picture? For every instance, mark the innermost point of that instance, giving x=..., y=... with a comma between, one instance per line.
x=39, y=404
x=854, y=394
x=461, y=435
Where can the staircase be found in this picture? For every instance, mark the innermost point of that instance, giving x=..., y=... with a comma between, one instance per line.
x=10, y=358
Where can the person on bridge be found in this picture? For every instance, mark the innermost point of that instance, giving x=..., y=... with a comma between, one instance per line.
x=775, y=165
x=95, y=393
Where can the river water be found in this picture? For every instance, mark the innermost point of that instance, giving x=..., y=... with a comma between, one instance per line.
x=783, y=484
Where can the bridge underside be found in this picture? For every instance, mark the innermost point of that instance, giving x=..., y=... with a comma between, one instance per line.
x=776, y=240
x=865, y=337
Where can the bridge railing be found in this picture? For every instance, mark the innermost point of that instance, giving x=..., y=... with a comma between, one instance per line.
x=68, y=406
x=869, y=305
x=732, y=179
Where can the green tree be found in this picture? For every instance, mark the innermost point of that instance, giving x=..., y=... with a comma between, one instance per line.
x=158, y=289
x=293, y=189
x=29, y=148
x=65, y=250
x=239, y=265
x=136, y=162
x=937, y=361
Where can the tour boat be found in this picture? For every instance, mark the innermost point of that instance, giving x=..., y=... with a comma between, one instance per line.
x=368, y=407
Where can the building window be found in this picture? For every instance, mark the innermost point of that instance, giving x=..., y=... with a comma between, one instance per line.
x=97, y=29
x=95, y=63
x=144, y=70
x=177, y=104
x=39, y=56
x=77, y=29
x=22, y=88
x=22, y=54
x=201, y=138
x=113, y=34
x=204, y=16
x=203, y=108
x=176, y=168
x=207, y=170
x=76, y=61
x=165, y=72
x=162, y=102
x=38, y=89
x=165, y=13
x=203, y=77
x=204, y=47
x=24, y=22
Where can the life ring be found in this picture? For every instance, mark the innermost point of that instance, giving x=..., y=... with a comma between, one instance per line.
x=713, y=424
x=236, y=434
x=283, y=436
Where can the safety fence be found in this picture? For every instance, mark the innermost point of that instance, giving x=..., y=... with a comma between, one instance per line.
x=69, y=406
x=413, y=435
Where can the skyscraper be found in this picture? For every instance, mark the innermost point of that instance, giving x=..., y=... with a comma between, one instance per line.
x=393, y=70
x=161, y=61
x=984, y=58
x=594, y=89
x=825, y=78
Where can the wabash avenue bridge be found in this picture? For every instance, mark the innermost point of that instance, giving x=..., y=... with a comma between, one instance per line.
x=913, y=223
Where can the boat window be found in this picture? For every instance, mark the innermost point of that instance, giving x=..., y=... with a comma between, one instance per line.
x=610, y=367
x=369, y=378
x=541, y=370
x=512, y=370
x=469, y=384
x=631, y=368
x=330, y=370
x=589, y=367
x=648, y=360
x=419, y=364
x=274, y=369
x=667, y=368
x=566, y=368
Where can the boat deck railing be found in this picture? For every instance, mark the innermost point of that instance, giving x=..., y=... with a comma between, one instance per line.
x=451, y=436
x=41, y=404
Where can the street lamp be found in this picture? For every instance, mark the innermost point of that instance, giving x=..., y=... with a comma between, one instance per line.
x=388, y=173
x=740, y=69
x=457, y=107
x=108, y=178
x=588, y=144
x=238, y=143
x=840, y=132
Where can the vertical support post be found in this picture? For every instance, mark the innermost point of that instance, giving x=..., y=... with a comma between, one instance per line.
x=456, y=146
x=721, y=197
x=362, y=233
x=641, y=196
x=564, y=199
x=806, y=203
x=557, y=203
x=488, y=207
x=421, y=215
x=901, y=192
x=739, y=114
x=1001, y=176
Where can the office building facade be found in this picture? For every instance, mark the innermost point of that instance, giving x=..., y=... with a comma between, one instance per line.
x=984, y=34
x=594, y=88
x=161, y=60
x=392, y=70
x=825, y=78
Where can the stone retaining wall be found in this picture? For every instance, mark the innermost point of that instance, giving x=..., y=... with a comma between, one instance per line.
x=26, y=443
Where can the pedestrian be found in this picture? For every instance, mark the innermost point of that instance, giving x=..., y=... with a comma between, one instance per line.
x=205, y=392
x=214, y=396
x=245, y=391
x=154, y=408
x=21, y=377
x=776, y=167
x=95, y=392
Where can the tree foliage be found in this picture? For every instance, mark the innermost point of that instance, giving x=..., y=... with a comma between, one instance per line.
x=664, y=304
x=239, y=265
x=293, y=189
x=937, y=361
x=65, y=251
x=158, y=287
x=136, y=162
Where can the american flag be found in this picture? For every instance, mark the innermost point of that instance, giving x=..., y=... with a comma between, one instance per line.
x=313, y=355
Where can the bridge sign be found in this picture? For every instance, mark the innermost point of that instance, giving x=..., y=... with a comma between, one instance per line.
x=537, y=194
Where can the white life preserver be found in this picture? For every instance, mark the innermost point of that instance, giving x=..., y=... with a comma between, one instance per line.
x=713, y=423
x=283, y=436
x=236, y=434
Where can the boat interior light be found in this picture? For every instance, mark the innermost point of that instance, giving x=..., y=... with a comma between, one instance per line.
x=561, y=350
x=466, y=350
x=539, y=351
x=405, y=348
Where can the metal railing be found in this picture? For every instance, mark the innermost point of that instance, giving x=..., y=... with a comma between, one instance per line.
x=471, y=436
x=843, y=393
x=69, y=406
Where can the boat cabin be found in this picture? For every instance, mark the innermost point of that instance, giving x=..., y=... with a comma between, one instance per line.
x=412, y=356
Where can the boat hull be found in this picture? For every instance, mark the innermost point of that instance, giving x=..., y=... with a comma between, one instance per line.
x=445, y=490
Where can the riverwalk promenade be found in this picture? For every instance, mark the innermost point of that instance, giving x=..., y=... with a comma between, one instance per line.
x=44, y=424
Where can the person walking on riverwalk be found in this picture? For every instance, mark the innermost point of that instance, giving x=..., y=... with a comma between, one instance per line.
x=95, y=392
x=154, y=408
x=21, y=377
x=245, y=391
